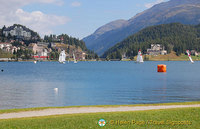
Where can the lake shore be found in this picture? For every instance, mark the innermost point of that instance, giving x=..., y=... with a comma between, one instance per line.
x=169, y=57
x=98, y=60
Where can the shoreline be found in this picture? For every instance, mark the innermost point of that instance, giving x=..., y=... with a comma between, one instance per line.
x=91, y=60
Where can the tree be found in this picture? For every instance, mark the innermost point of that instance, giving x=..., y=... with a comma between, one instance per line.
x=52, y=55
x=27, y=54
x=118, y=55
x=174, y=36
x=96, y=56
x=4, y=27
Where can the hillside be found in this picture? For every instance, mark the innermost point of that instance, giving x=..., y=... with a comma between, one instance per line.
x=34, y=35
x=184, y=11
x=24, y=39
x=69, y=43
x=174, y=36
x=32, y=38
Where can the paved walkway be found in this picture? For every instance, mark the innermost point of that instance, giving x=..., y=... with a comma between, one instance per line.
x=60, y=111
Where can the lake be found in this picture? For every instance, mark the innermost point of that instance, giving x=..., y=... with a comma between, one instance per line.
x=25, y=84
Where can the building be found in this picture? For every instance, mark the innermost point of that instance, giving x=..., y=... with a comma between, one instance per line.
x=124, y=56
x=163, y=52
x=33, y=47
x=43, y=54
x=14, y=49
x=43, y=44
x=7, y=47
x=156, y=49
x=2, y=45
x=40, y=52
x=53, y=45
x=194, y=53
x=18, y=31
x=79, y=55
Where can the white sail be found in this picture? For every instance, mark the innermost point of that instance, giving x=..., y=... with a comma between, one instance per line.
x=74, y=58
x=139, y=57
x=62, y=57
x=189, y=56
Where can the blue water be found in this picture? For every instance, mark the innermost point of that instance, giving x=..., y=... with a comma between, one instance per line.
x=25, y=84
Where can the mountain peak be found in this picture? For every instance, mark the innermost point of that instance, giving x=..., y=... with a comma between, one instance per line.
x=110, y=26
x=183, y=11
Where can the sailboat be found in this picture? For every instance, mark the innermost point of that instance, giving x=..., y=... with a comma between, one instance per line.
x=139, y=57
x=74, y=58
x=62, y=57
x=188, y=52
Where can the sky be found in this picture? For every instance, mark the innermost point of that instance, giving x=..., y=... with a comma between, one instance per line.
x=77, y=18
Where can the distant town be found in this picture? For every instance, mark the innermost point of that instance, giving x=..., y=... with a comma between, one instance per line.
x=20, y=43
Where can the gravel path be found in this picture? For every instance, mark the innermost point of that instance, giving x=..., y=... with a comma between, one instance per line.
x=60, y=111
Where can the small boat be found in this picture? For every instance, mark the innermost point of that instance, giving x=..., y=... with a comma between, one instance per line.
x=34, y=61
x=56, y=89
x=188, y=52
x=62, y=57
x=139, y=57
x=75, y=61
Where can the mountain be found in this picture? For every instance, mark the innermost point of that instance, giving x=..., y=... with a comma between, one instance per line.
x=174, y=36
x=106, y=28
x=183, y=11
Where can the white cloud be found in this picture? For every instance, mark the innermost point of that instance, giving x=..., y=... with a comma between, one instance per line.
x=39, y=21
x=75, y=4
x=149, y=5
x=57, y=2
x=36, y=20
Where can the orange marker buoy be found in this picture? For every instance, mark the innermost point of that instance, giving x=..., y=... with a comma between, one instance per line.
x=162, y=68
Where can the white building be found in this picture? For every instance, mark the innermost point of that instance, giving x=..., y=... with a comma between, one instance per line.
x=18, y=31
x=14, y=49
x=156, y=49
x=2, y=45
x=44, y=53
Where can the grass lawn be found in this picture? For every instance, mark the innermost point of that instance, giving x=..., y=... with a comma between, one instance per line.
x=143, y=120
x=171, y=57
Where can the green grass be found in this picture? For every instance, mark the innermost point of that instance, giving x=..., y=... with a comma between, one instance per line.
x=41, y=108
x=172, y=57
x=90, y=121
x=5, y=54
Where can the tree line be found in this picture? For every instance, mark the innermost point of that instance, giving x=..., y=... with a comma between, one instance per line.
x=174, y=36
x=64, y=38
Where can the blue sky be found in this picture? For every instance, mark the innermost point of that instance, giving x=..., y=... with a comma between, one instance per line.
x=76, y=18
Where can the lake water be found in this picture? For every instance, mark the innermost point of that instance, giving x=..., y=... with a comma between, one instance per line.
x=25, y=84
